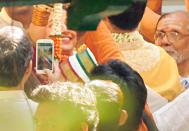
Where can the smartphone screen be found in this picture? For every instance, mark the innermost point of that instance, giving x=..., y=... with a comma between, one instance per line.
x=44, y=56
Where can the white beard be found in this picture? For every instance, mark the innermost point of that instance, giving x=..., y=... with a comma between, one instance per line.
x=176, y=55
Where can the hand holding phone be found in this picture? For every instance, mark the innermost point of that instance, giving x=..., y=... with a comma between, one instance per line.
x=44, y=55
x=55, y=75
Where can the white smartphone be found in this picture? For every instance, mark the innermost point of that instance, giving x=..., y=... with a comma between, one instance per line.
x=44, y=55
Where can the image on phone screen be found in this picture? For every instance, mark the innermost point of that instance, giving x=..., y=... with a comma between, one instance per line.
x=45, y=56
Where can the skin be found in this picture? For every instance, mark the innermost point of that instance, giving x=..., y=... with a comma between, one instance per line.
x=20, y=13
x=69, y=36
x=187, y=5
x=148, y=24
x=155, y=5
x=75, y=39
x=176, y=22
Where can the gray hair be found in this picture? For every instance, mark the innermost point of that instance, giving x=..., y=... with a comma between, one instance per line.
x=75, y=93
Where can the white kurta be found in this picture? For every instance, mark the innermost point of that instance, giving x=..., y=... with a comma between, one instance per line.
x=154, y=100
x=175, y=115
x=16, y=111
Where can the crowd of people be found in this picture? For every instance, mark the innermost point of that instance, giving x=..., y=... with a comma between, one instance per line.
x=131, y=75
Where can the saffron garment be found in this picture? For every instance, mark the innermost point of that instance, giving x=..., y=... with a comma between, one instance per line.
x=163, y=77
x=151, y=62
x=104, y=48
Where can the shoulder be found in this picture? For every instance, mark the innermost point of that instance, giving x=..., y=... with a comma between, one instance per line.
x=166, y=56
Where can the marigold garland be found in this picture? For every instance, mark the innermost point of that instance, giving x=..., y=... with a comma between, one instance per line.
x=56, y=34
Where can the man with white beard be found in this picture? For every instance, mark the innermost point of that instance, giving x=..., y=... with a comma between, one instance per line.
x=172, y=34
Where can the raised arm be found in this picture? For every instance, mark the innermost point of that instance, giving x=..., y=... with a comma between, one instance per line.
x=155, y=5
x=148, y=24
x=187, y=5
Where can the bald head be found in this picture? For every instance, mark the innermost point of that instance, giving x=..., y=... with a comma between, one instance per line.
x=180, y=13
x=181, y=17
x=172, y=33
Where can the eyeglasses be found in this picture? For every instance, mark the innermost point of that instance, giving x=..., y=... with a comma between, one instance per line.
x=171, y=36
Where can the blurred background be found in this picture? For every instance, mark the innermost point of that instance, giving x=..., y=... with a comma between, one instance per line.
x=172, y=5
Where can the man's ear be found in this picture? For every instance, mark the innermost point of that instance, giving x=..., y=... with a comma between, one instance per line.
x=84, y=127
x=28, y=72
x=29, y=69
x=123, y=117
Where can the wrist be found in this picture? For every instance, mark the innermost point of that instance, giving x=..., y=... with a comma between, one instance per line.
x=41, y=15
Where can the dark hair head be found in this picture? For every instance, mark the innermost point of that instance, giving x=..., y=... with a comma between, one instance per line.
x=70, y=99
x=15, y=54
x=130, y=18
x=132, y=86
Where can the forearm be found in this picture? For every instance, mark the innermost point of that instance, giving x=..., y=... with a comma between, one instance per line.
x=36, y=32
x=148, y=24
x=155, y=5
x=187, y=5
x=37, y=29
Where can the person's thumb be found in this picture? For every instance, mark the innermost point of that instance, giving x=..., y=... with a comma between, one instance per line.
x=48, y=72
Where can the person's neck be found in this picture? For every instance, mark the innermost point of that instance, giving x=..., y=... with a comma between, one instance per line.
x=184, y=68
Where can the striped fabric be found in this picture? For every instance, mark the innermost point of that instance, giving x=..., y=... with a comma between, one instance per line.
x=68, y=71
x=78, y=67
x=86, y=61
